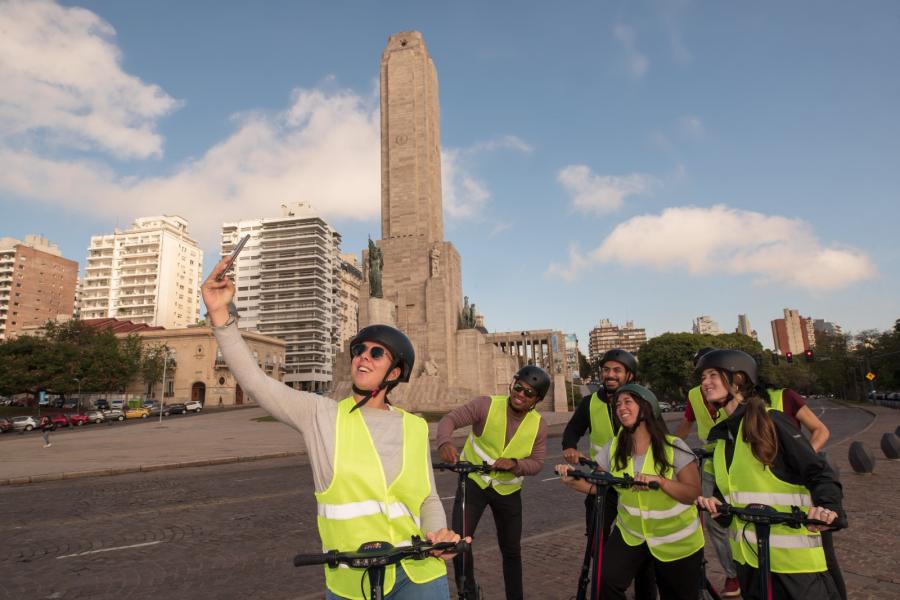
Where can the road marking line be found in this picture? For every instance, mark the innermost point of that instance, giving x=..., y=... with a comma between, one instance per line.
x=550, y=478
x=112, y=549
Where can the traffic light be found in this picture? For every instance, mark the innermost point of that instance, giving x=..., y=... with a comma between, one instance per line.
x=789, y=356
x=775, y=358
x=809, y=356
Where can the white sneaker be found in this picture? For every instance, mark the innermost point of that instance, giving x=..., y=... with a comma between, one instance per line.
x=47, y=445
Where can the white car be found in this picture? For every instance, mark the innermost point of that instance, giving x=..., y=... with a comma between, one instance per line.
x=194, y=406
x=26, y=423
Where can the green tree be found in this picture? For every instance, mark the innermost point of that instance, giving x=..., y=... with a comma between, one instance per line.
x=584, y=367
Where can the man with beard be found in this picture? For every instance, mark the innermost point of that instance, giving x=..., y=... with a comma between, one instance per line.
x=508, y=434
x=595, y=414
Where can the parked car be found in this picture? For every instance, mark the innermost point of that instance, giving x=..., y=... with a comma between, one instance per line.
x=24, y=423
x=137, y=413
x=77, y=419
x=194, y=406
x=114, y=414
x=60, y=420
x=102, y=404
x=178, y=408
x=5, y=425
x=149, y=403
x=664, y=406
x=95, y=416
x=120, y=404
x=154, y=410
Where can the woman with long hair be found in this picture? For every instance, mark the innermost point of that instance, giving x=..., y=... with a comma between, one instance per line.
x=657, y=526
x=761, y=459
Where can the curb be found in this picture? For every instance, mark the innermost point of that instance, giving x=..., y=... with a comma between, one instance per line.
x=144, y=468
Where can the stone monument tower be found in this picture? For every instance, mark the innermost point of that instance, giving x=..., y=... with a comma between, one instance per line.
x=420, y=272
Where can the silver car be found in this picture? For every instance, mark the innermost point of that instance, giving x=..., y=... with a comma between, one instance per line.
x=114, y=414
x=24, y=423
x=95, y=416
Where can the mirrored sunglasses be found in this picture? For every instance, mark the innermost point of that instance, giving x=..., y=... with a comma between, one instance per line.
x=525, y=391
x=375, y=352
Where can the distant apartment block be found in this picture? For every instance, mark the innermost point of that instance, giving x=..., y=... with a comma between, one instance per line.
x=36, y=285
x=743, y=327
x=288, y=280
x=823, y=327
x=351, y=279
x=607, y=336
x=793, y=333
x=149, y=273
x=705, y=325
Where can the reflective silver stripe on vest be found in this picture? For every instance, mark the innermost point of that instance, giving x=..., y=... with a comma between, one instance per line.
x=656, y=514
x=663, y=539
x=800, y=540
x=365, y=508
x=769, y=499
x=486, y=458
x=596, y=448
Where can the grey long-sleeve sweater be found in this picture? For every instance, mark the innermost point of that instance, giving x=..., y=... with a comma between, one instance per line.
x=315, y=417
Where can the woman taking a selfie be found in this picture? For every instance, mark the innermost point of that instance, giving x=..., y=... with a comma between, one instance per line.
x=371, y=462
x=760, y=458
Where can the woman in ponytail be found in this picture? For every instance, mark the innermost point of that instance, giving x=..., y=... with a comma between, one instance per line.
x=760, y=459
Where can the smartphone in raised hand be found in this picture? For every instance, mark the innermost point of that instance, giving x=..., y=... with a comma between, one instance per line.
x=233, y=257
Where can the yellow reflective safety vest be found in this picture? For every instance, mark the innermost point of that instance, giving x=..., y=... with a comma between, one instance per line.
x=748, y=481
x=359, y=506
x=602, y=430
x=705, y=422
x=776, y=399
x=671, y=529
x=491, y=445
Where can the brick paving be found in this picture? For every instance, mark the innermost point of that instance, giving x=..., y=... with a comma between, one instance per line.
x=200, y=533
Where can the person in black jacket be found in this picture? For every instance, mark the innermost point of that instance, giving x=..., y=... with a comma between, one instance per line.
x=47, y=425
x=761, y=457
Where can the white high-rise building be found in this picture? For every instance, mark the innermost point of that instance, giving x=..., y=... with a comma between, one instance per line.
x=288, y=280
x=149, y=273
x=705, y=324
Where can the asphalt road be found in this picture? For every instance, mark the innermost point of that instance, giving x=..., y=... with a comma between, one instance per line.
x=226, y=531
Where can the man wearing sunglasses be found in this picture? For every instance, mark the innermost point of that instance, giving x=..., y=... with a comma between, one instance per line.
x=371, y=462
x=510, y=435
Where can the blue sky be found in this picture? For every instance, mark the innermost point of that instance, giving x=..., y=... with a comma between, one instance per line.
x=646, y=161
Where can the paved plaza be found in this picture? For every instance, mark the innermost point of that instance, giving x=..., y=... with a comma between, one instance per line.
x=229, y=530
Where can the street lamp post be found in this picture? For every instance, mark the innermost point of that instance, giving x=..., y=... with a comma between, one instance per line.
x=78, y=381
x=162, y=400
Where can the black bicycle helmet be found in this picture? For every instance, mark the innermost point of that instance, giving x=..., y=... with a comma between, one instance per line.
x=701, y=352
x=536, y=377
x=394, y=340
x=644, y=393
x=731, y=361
x=624, y=357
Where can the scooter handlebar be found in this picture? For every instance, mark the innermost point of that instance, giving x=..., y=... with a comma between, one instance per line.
x=603, y=478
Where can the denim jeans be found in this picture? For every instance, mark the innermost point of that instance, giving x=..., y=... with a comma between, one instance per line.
x=404, y=589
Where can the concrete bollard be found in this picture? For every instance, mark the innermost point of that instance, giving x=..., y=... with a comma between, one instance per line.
x=890, y=445
x=861, y=458
x=897, y=431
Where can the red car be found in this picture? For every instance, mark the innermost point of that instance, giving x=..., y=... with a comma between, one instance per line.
x=78, y=419
x=60, y=420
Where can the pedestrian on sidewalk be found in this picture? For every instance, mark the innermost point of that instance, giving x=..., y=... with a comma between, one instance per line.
x=371, y=462
x=47, y=425
x=659, y=529
x=511, y=436
x=596, y=414
x=759, y=457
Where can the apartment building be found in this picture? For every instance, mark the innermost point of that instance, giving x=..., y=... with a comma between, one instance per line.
x=288, y=280
x=606, y=336
x=36, y=284
x=150, y=273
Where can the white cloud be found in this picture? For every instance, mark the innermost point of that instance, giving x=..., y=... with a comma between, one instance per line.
x=636, y=62
x=716, y=240
x=691, y=126
x=465, y=196
x=600, y=194
x=61, y=76
x=324, y=149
